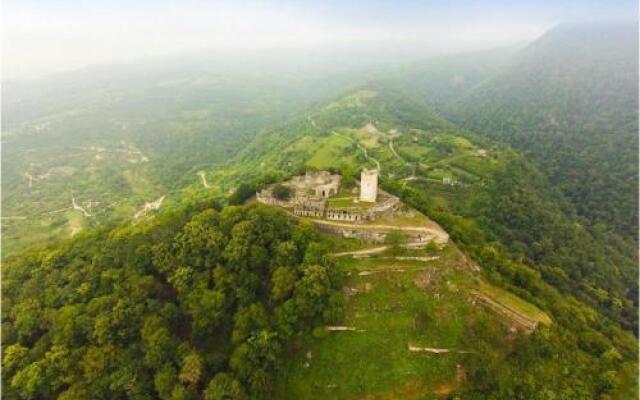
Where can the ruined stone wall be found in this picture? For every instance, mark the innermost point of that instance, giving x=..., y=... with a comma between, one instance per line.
x=343, y=215
x=265, y=197
x=325, y=191
x=308, y=213
x=387, y=205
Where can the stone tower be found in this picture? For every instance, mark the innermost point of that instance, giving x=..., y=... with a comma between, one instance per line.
x=369, y=185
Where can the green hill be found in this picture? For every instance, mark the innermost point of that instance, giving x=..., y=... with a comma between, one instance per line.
x=414, y=329
x=495, y=189
x=168, y=286
x=497, y=206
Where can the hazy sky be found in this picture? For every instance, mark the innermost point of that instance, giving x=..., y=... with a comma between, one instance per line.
x=47, y=36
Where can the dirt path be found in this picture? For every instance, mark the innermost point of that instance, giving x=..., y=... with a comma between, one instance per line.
x=77, y=207
x=392, y=268
x=395, y=153
x=203, y=178
x=59, y=210
x=340, y=328
x=154, y=205
x=30, y=177
x=75, y=227
x=380, y=249
x=311, y=121
x=408, y=164
x=362, y=148
x=365, y=252
x=440, y=236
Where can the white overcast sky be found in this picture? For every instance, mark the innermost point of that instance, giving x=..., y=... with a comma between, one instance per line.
x=41, y=37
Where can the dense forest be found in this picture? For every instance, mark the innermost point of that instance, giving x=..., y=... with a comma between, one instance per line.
x=200, y=304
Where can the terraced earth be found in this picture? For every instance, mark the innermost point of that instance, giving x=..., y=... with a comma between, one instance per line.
x=395, y=308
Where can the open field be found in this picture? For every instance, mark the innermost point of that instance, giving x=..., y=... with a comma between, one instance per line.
x=329, y=152
x=388, y=311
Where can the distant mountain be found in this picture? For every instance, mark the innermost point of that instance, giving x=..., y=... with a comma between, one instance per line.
x=570, y=99
x=443, y=79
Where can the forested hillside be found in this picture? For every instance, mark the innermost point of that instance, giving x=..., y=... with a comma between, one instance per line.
x=511, y=200
x=570, y=101
x=153, y=279
x=249, y=279
x=227, y=289
x=200, y=304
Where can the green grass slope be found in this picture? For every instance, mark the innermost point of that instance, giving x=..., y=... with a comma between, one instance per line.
x=498, y=208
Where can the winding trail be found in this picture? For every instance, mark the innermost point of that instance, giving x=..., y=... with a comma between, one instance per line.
x=203, y=178
x=395, y=153
x=407, y=163
x=362, y=148
x=380, y=249
x=154, y=205
x=311, y=121
x=77, y=207
x=439, y=235
x=28, y=175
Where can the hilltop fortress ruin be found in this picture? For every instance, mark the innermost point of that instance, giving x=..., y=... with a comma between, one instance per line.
x=315, y=195
x=362, y=211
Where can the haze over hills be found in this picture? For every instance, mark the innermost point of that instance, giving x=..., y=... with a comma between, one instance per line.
x=155, y=275
x=173, y=119
x=570, y=100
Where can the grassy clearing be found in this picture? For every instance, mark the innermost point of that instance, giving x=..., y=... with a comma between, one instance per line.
x=377, y=359
x=304, y=143
x=368, y=138
x=356, y=99
x=329, y=152
x=139, y=184
x=338, y=244
x=404, y=220
x=415, y=152
x=347, y=201
x=390, y=310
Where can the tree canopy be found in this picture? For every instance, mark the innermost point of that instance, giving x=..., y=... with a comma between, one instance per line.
x=196, y=305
